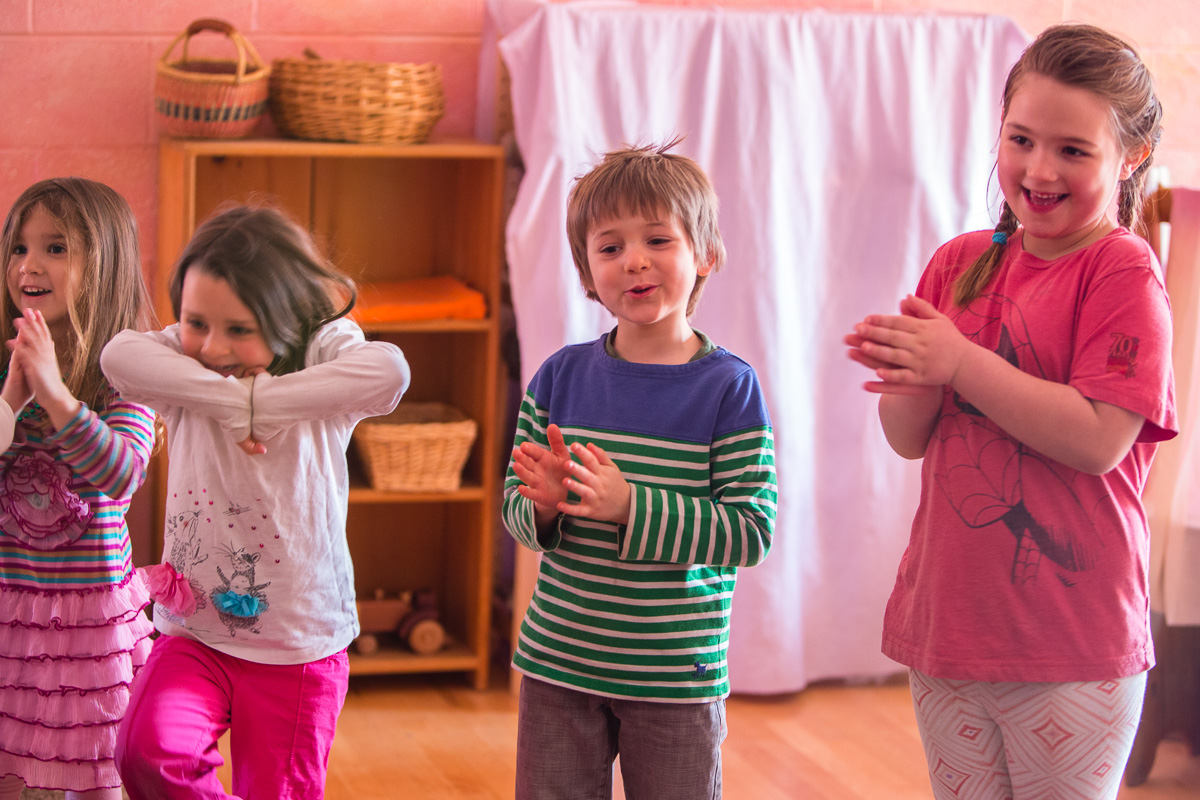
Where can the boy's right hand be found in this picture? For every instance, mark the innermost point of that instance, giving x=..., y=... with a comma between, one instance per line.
x=542, y=472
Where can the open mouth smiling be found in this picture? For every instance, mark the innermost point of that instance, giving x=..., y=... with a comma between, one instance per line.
x=1042, y=200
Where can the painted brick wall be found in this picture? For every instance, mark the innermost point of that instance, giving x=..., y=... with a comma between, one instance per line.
x=77, y=76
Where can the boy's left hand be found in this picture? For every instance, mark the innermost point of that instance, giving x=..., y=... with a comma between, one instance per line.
x=603, y=492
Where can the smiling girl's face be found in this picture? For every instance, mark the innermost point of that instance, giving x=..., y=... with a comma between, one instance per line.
x=217, y=329
x=44, y=271
x=1059, y=164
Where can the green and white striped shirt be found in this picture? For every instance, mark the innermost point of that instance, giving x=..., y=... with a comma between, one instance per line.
x=642, y=610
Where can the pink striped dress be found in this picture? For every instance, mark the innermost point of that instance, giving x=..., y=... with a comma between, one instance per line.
x=71, y=605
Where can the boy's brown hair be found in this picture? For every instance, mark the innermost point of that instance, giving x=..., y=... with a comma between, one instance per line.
x=648, y=181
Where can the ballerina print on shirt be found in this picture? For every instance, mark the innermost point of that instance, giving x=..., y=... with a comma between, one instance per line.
x=238, y=599
x=1039, y=501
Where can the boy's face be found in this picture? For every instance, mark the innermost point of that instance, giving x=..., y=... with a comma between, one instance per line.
x=643, y=269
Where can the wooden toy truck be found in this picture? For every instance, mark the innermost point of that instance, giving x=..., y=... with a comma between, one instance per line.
x=412, y=616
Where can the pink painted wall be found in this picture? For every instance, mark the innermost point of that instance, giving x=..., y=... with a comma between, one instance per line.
x=77, y=76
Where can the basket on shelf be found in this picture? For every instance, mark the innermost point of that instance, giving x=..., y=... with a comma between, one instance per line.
x=418, y=447
x=208, y=97
x=355, y=101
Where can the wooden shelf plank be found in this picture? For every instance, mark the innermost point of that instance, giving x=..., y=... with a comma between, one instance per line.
x=391, y=658
x=435, y=148
x=432, y=326
x=365, y=494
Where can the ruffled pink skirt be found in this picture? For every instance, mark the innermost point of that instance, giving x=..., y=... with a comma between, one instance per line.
x=67, y=660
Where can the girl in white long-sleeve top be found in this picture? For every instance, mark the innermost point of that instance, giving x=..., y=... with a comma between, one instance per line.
x=260, y=385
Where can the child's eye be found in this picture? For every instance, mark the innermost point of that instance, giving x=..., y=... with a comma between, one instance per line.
x=57, y=249
x=607, y=249
x=659, y=241
x=19, y=250
x=238, y=330
x=194, y=324
x=1074, y=151
x=1018, y=139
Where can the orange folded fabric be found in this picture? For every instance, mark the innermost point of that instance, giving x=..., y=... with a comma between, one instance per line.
x=441, y=297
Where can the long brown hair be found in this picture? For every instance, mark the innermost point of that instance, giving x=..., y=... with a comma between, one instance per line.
x=100, y=228
x=1089, y=58
x=273, y=265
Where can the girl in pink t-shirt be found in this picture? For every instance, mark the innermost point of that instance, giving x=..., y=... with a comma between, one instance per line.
x=1031, y=371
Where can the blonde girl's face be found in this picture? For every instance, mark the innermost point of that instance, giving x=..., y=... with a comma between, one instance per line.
x=1059, y=163
x=44, y=271
x=217, y=329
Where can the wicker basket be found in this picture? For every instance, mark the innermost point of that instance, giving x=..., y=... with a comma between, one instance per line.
x=211, y=98
x=356, y=101
x=418, y=447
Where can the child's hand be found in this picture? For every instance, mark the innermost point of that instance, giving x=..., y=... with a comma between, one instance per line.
x=603, y=491
x=543, y=473
x=251, y=447
x=16, y=390
x=34, y=352
x=911, y=352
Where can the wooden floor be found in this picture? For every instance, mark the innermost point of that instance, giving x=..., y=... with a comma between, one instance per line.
x=431, y=738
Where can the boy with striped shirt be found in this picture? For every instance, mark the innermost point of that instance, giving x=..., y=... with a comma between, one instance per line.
x=643, y=471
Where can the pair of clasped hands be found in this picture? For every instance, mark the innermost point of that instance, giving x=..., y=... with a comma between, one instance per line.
x=915, y=352
x=33, y=371
x=547, y=475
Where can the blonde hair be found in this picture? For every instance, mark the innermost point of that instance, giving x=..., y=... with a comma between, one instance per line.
x=100, y=228
x=1090, y=58
x=273, y=265
x=648, y=181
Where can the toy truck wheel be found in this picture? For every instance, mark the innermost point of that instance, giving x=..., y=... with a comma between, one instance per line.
x=427, y=636
x=366, y=644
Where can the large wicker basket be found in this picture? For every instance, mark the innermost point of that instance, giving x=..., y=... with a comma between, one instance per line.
x=211, y=98
x=356, y=101
x=418, y=447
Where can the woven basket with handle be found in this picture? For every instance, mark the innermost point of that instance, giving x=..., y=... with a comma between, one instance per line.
x=355, y=101
x=211, y=98
x=418, y=447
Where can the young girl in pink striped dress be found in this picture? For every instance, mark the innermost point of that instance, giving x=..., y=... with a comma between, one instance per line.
x=71, y=606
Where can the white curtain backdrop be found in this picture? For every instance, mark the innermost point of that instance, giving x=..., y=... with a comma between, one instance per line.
x=844, y=149
x=1173, y=490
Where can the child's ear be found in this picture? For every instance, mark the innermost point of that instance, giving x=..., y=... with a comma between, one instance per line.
x=1133, y=160
x=705, y=267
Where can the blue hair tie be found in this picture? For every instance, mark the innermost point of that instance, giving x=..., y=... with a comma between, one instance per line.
x=1000, y=238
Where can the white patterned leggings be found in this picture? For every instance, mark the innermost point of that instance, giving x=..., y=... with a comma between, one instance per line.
x=1027, y=741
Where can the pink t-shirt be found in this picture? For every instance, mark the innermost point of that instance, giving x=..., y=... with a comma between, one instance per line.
x=1018, y=567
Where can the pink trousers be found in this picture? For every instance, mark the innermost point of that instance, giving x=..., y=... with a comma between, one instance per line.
x=281, y=720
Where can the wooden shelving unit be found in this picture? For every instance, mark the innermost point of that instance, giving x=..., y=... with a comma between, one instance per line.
x=386, y=213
